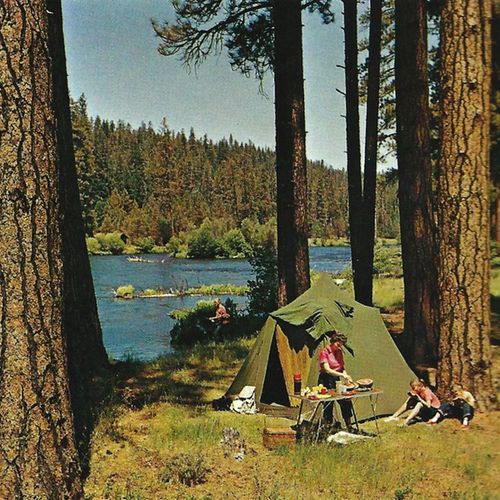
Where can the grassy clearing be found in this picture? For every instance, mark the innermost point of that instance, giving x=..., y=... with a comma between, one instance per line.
x=161, y=439
x=158, y=437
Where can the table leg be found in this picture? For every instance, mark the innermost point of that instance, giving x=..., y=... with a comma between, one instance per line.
x=373, y=404
x=300, y=411
x=319, y=421
x=355, y=416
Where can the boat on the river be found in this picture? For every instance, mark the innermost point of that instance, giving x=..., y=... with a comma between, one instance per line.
x=139, y=259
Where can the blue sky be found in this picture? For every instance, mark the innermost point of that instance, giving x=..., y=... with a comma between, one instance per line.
x=112, y=58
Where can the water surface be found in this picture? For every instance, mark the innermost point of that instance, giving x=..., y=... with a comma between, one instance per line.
x=141, y=327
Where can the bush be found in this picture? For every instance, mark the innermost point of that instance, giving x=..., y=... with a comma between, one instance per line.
x=93, y=246
x=125, y=292
x=202, y=244
x=111, y=242
x=145, y=245
x=175, y=246
x=186, y=469
x=263, y=291
x=387, y=260
x=233, y=244
x=193, y=326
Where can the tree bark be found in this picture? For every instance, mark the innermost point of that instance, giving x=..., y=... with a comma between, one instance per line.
x=38, y=456
x=365, y=277
x=415, y=182
x=463, y=204
x=86, y=352
x=293, y=252
x=353, y=143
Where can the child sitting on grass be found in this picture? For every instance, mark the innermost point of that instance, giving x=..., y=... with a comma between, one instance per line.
x=422, y=401
x=461, y=406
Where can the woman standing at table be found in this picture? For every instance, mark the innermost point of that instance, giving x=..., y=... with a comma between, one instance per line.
x=331, y=363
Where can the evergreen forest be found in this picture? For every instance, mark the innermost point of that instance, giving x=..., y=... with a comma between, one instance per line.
x=162, y=183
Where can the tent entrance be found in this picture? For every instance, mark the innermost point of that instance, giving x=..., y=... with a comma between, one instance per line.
x=274, y=389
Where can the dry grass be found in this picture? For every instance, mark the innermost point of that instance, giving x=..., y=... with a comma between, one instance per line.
x=164, y=416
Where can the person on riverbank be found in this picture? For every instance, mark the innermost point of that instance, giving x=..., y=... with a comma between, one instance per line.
x=461, y=406
x=332, y=370
x=221, y=318
x=422, y=402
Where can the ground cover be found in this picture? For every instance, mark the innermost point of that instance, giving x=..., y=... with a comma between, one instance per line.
x=158, y=437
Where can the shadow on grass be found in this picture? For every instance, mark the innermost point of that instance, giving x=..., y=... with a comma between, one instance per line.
x=184, y=377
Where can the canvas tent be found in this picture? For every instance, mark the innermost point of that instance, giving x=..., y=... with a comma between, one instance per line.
x=292, y=336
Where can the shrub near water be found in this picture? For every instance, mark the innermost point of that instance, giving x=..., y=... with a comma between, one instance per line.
x=192, y=324
x=202, y=244
x=93, y=246
x=111, y=243
x=125, y=292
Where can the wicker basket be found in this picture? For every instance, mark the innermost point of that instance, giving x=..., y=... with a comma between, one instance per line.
x=272, y=437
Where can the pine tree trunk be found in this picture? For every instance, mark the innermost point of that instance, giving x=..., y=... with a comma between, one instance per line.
x=415, y=182
x=463, y=204
x=497, y=216
x=38, y=456
x=86, y=352
x=365, y=278
x=293, y=252
x=353, y=144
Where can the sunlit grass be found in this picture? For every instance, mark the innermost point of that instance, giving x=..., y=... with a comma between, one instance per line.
x=388, y=293
x=135, y=444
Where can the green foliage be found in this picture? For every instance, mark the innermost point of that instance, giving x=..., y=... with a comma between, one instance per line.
x=202, y=244
x=125, y=292
x=160, y=184
x=111, y=242
x=263, y=290
x=175, y=247
x=193, y=325
x=145, y=245
x=233, y=244
x=217, y=290
x=93, y=246
x=387, y=260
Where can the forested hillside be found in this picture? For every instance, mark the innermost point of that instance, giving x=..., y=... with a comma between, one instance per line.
x=158, y=183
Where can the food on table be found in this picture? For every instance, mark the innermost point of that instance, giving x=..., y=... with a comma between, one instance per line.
x=365, y=383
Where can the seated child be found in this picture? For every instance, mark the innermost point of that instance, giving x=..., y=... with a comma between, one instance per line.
x=422, y=401
x=461, y=406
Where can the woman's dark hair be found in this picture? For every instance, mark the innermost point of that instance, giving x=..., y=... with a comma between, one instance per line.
x=334, y=336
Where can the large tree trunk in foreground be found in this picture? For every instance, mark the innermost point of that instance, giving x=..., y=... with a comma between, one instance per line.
x=365, y=276
x=415, y=183
x=463, y=202
x=353, y=144
x=86, y=352
x=293, y=252
x=38, y=456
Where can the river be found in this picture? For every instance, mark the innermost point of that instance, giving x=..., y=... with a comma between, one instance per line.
x=140, y=327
